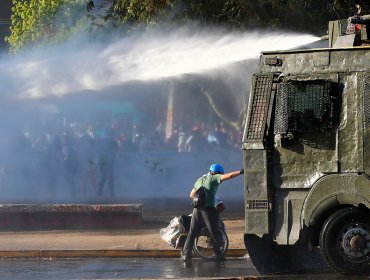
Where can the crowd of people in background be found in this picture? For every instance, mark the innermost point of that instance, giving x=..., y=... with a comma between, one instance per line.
x=84, y=155
x=198, y=137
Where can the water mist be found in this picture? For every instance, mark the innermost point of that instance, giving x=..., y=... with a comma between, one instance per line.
x=135, y=70
x=77, y=66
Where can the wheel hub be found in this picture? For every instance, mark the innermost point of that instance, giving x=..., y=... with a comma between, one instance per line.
x=355, y=241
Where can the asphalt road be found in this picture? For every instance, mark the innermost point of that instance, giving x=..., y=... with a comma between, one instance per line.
x=134, y=268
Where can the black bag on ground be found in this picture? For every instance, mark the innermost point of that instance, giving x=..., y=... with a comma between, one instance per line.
x=199, y=199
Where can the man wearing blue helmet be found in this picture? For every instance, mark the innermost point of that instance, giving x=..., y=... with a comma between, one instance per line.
x=207, y=215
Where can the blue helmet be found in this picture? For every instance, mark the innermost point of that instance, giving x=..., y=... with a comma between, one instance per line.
x=216, y=168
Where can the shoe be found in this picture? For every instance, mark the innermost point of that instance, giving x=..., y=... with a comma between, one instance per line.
x=187, y=264
x=185, y=258
x=220, y=258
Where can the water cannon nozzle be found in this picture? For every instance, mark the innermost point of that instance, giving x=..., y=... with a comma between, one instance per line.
x=325, y=37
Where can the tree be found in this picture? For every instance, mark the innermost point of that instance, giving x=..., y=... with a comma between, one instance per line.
x=43, y=20
x=296, y=15
x=49, y=20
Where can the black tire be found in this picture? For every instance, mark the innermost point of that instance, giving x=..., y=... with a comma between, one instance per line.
x=202, y=245
x=345, y=241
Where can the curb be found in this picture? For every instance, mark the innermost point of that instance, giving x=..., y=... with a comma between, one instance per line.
x=235, y=253
x=69, y=216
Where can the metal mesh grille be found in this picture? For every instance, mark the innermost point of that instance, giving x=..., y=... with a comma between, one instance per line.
x=281, y=119
x=303, y=106
x=259, y=108
x=367, y=100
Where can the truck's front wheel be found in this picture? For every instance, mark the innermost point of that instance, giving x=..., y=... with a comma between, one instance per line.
x=345, y=241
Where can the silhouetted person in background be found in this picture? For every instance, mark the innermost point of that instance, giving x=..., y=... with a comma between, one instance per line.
x=107, y=149
x=195, y=142
x=70, y=162
x=51, y=154
x=89, y=164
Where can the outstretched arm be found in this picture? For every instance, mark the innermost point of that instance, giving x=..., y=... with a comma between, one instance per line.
x=230, y=175
x=192, y=193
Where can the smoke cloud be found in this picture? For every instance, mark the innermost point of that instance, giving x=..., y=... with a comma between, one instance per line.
x=57, y=101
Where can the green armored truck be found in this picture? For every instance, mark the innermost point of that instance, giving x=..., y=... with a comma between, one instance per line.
x=306, y=152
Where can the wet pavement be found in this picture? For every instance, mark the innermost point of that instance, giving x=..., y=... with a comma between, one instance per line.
x=143, y=268
x=121, y=268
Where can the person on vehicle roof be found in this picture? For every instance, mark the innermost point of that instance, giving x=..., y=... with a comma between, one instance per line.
x=207, y=215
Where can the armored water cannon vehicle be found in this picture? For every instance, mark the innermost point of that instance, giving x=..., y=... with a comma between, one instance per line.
x=306, y=152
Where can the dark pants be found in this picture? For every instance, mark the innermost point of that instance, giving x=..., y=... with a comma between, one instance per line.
x=203, y=217
x=107, y=173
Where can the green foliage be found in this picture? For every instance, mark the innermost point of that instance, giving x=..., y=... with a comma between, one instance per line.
x=298, y=15
x=43, y=20
x=135, y=12
x=54, y=20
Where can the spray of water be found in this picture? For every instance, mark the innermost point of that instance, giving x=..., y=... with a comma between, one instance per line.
x=78, y=66
x=39, y=102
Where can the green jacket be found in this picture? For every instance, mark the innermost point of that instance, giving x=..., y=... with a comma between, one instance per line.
x=210, y=183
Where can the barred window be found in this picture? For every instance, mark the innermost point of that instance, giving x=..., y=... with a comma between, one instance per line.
x=304, y=106
x=260, y=99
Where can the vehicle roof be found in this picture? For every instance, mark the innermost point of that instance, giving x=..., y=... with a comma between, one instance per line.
x=314, y=50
